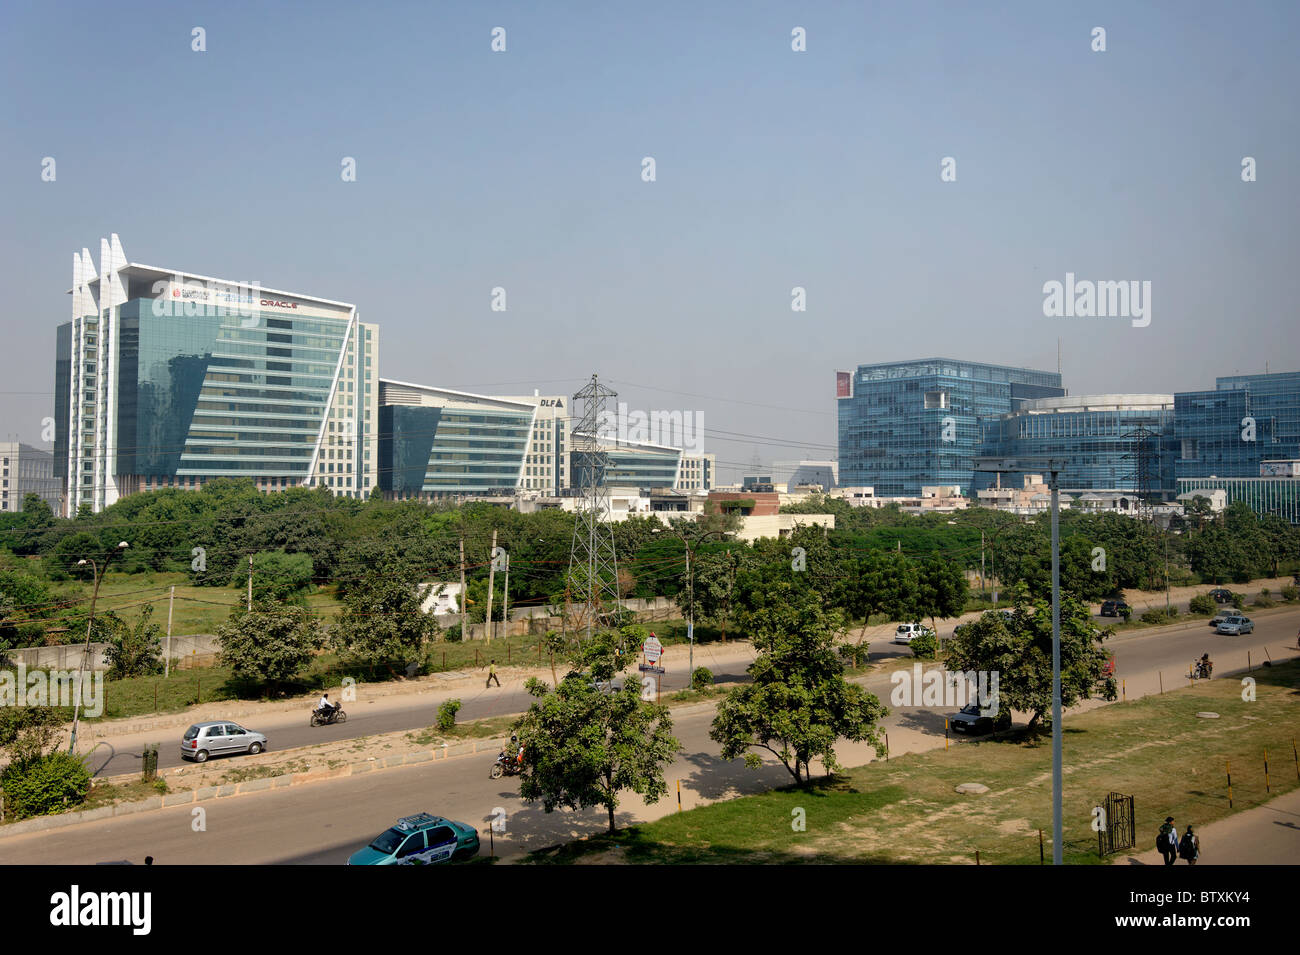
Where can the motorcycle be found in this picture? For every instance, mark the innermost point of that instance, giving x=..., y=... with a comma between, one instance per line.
x=1202, y=671
x=504, y=766
x=336, y=715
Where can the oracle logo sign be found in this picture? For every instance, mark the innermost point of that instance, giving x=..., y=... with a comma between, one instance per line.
x=277, y=304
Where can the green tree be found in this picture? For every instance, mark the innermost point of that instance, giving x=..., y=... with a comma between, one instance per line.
x=133, y=650
x=272, y=643
x=382, y=620
x=583, y=747
x=1018, y=648
x=277, y=576
x=23, y=599
x=941, y=592
x=37, y=512
x=798, y=703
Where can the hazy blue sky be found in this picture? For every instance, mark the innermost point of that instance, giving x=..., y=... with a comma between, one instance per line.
x=775, y=169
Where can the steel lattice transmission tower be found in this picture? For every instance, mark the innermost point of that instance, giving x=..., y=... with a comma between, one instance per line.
x=592, y=583
x=1145, y=474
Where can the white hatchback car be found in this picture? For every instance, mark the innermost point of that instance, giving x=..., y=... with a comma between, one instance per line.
x=906, y=632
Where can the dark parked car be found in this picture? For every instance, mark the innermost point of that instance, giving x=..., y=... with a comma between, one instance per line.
x=972, y=722
x=1114, y=608
x=1221, y=596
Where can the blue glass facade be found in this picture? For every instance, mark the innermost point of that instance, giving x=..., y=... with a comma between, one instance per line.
x=1098, y=437
x=910, y=424
x=210, y=396
x=1227, y=432
x=1280, y=496
x=426, y=450
x=628, y=467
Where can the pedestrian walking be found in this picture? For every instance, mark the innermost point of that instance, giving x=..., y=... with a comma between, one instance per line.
x=492, y=674
x=1167, y=841
x=1190, y=847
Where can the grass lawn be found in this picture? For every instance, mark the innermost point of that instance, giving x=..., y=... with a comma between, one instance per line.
x=905, y=810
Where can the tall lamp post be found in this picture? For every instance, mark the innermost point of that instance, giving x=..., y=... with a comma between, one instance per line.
x=1053, y=466
x=690, y=587
x=85, y=656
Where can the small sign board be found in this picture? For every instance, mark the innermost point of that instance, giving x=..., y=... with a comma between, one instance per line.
x=646, y=668
x=652, y=649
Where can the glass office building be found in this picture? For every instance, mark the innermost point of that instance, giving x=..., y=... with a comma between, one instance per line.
x=1265, y=495
x=1106, y=441
x=170, y=379
x=904, y=425
x=1229, y=432
x=434, y=442
x=631, y=465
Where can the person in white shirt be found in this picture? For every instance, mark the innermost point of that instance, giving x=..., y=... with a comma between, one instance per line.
x=325, y=706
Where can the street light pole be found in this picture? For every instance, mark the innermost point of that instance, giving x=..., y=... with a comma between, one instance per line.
x=1056, y=672
x=1053, y=466
x=90, y=623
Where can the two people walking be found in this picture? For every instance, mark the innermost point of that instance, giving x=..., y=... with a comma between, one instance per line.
x=1173, y=848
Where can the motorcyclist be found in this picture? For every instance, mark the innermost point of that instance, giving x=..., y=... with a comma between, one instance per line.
x=324, y=707
x=1204, y=666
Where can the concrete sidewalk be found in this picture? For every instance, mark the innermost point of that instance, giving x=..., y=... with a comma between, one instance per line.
x=1266, y=835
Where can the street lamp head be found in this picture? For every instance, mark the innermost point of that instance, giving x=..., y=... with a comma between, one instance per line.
x=83, y=562
x=122, y=545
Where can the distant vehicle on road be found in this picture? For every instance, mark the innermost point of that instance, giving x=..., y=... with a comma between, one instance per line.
x=906, y=632
x=1114, y=608
x=1235, y=626
x=971, y=721
x=420, y=839
x=1221, y=596
x=219, y=738
x=1224, y=614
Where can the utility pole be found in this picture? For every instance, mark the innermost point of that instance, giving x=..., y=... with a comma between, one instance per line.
x=464, y=595
x=250, y=583
x=167, y=659
x=492, y=576
x=690, y=623
x=505, y=600
x=982, y=593
x=1056, y=672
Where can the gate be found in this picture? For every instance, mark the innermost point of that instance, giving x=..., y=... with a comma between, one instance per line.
x=1119, y=831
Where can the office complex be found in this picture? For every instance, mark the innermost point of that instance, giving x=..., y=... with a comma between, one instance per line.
x=1232, y=430
x=435, y=442
x=905, y=425
x=1276, y=490
x=1106, y=442
x=167, y=378
x=27, y=470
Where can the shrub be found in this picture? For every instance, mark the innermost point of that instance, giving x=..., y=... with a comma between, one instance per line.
x=447, y=714
x=1263, y=601
x=1159, y=615
x=1203, y=604
x=452, y=633
x=854, y=654
x=1290, y=594
x=925, y=646
x=702, y=678
x=41, y=785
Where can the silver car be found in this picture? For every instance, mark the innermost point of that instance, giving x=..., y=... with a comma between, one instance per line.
x=1235, y=626
x=219, y=738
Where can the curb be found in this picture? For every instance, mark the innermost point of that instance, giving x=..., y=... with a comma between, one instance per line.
x=222, y=791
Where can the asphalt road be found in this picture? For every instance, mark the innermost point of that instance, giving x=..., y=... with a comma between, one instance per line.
x=322, y=823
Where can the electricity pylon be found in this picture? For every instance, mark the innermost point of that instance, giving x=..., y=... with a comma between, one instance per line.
x=592, y=581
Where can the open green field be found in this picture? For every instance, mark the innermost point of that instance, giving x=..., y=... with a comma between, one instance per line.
x=196, y=610
x=905, y=810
